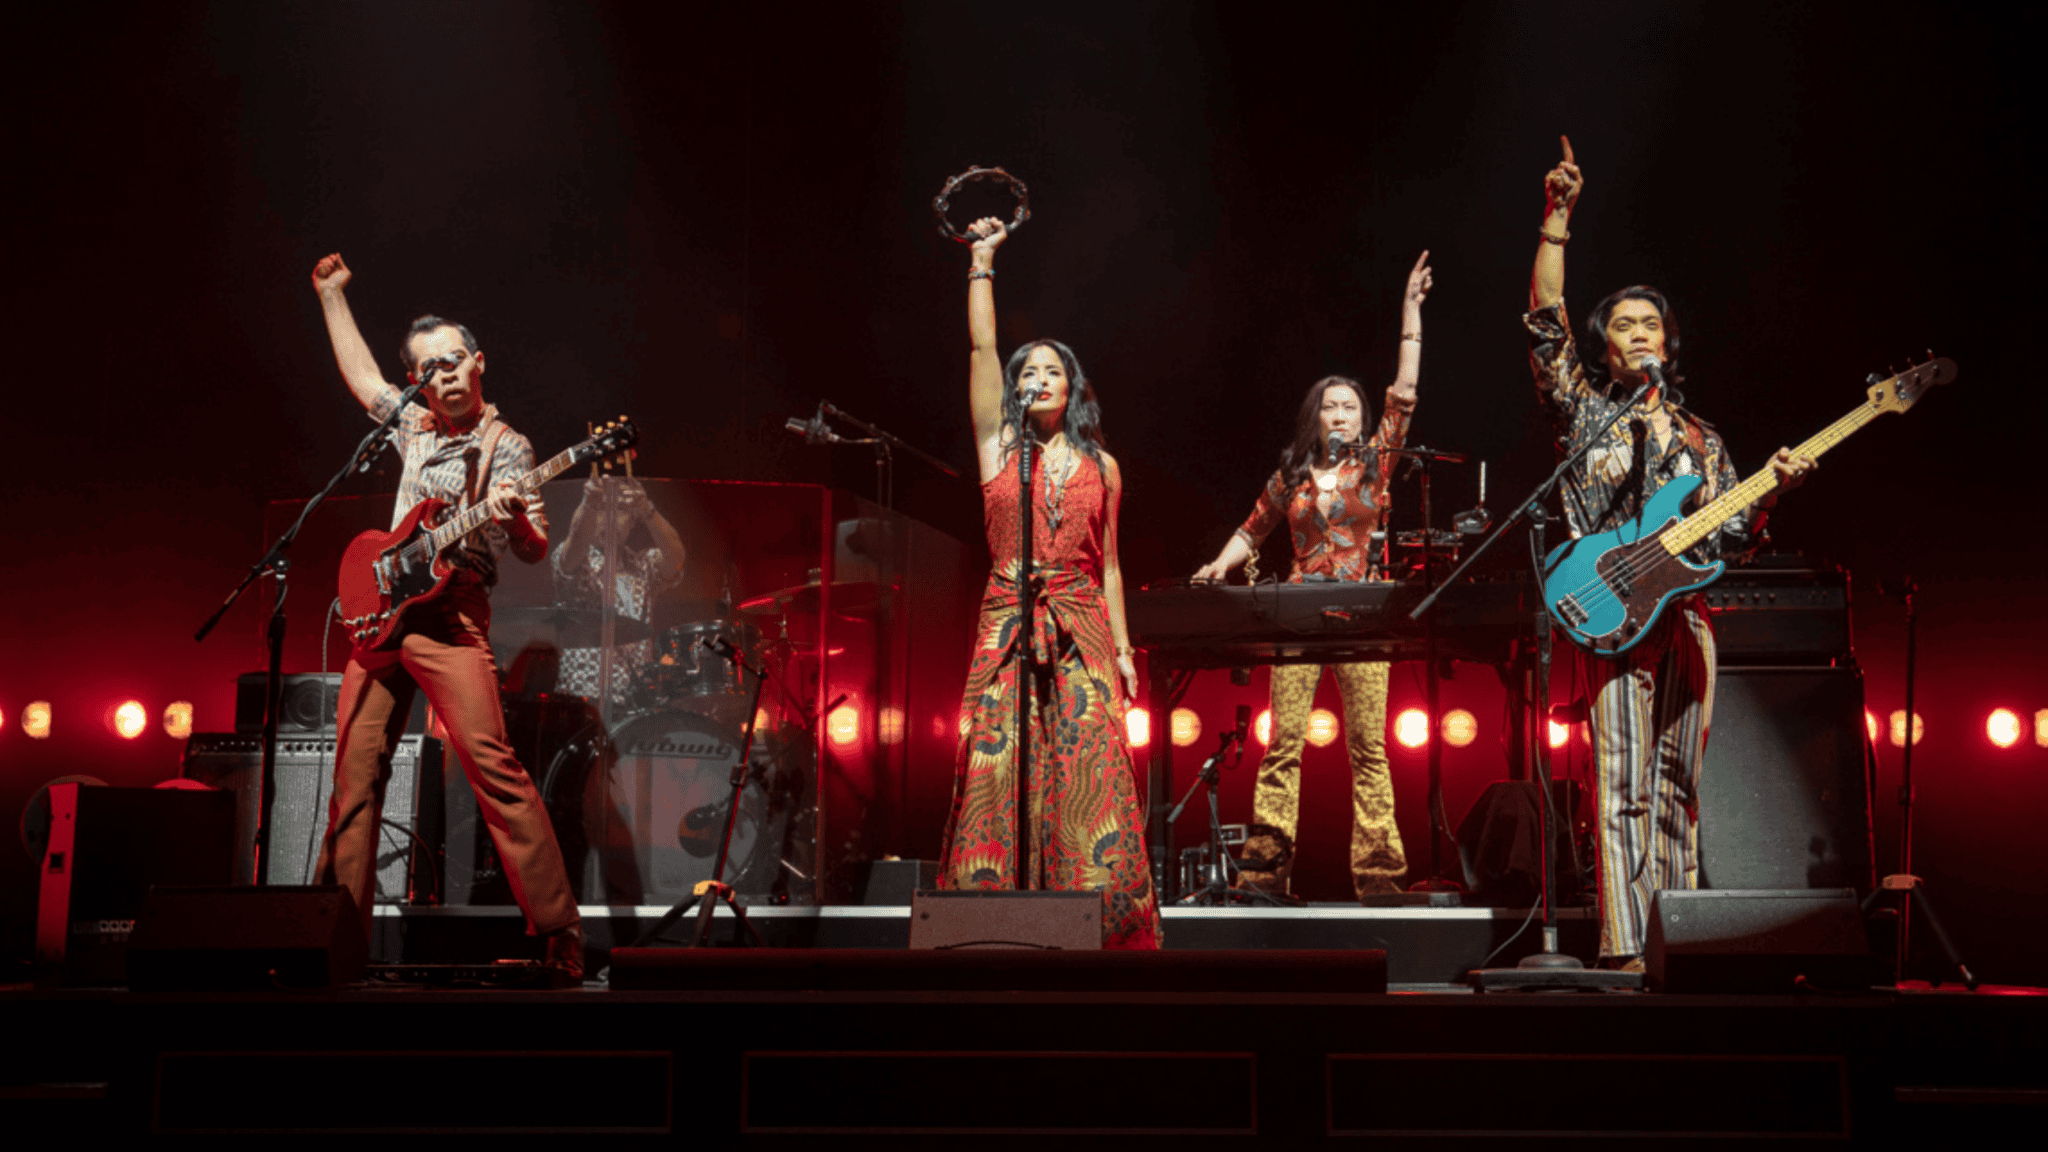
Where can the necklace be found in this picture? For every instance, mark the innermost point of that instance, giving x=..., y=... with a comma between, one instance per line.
x=1056, y=474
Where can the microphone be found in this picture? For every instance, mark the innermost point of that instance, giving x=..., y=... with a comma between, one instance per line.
x=1334, y=445
x=1244, y=726
x=813, y=430
x=1653, y=368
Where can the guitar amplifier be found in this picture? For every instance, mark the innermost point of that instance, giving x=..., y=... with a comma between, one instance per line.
x=1780, y=610
x=408, y=843
x=310, y=701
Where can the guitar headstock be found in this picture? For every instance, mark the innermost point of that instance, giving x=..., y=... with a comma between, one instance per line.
x=609, y=440
x=1899, y=392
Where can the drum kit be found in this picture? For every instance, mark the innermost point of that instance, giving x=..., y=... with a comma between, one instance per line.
x=638, y=804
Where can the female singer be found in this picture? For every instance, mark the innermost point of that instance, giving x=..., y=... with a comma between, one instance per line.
x=1331, y=490
x=1086, y=828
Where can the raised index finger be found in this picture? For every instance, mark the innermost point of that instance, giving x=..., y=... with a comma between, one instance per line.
x=1567, y=149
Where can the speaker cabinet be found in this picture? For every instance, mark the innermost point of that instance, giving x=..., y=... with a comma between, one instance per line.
x=257, y=939
x=1757, y=941
x=106, y=847
x=406, y=865
x=1066, y=921
x=1784, y=794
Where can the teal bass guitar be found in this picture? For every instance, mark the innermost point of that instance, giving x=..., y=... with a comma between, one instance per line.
x=1607, y=590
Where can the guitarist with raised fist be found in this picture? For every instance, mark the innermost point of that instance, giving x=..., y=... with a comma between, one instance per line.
x=461, y=452
x=1651, y=700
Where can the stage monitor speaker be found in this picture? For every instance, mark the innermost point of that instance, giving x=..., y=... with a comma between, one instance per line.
x=974, y=918
x=252, y=939
x=1757, y=941
x=1784, y=798
x=105, y=848
x=407, y=870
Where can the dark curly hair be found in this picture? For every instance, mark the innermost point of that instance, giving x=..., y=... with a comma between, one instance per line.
x=1308, y=431
x=1083, y=419
x=1596, y=332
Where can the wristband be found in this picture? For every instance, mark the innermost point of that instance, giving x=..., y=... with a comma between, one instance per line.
x=982, y=274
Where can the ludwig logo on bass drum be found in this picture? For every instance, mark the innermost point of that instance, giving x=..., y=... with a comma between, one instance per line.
x=699, y=748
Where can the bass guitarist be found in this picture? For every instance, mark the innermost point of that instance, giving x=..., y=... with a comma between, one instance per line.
x=460, y=451
x=1651, y=703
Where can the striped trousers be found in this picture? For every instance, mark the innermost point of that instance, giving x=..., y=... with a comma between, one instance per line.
x=1650, y=712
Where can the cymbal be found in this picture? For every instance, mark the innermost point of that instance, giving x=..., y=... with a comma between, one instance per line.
x=847, y=596
x=572, y=627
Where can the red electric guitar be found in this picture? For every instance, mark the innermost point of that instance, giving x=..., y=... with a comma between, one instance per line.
x=385, y=573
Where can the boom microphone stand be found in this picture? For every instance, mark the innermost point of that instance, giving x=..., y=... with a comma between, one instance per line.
x=1420, y=459
x=276, y=563
x=1548, y=970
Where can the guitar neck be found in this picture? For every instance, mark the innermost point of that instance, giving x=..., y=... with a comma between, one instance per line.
x=472, y=518
x=1721, y=509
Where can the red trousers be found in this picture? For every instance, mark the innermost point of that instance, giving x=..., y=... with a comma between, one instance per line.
x=446, y=651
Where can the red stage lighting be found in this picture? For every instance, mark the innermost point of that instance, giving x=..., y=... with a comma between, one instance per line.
x=1138, y=727
x=1322, y=727
x=1559, y=733
x=1263, y=726
x=35, y=720
x=843, y=725
x=1899, y=728
x=2041, y=727
x=2003, y=726
x=178, y=719
x=1411, y=728
x=1870, y=724
x=1187, y=727
x=128, y=719
x=1460, y=728
x=889, y=726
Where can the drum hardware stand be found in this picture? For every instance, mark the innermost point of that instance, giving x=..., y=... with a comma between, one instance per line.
x=1549, y=970
x=276, y=563
x=814, y=431
x=1218, y=891
x=708, y=894
x=1420, y=459
x=1911, y=889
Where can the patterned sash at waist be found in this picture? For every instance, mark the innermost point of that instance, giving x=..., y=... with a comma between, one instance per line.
x=1069, y=602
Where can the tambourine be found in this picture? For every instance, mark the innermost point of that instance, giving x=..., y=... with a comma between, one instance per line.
x=945, y=198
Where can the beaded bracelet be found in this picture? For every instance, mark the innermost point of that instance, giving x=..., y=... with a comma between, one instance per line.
x=1557, y=240
x=982, y=274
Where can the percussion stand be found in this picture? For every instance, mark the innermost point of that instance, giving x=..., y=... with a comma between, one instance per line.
x=707, y=895
x=276, y=563
x=1549, y=970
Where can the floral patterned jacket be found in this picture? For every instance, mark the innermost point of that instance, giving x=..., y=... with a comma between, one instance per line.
x=1336, y=542
x=1611, y=483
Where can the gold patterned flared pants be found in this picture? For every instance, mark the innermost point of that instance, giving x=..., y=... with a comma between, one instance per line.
x=1377, y=860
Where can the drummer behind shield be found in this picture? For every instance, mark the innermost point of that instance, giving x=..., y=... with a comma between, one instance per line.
x=645, y=565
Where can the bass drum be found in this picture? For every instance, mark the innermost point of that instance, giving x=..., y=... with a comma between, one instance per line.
x=639, y=814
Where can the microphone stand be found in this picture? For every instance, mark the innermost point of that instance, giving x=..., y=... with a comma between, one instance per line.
x=276, y=563
x=707, y=894
x=883, y=440
x=1218, y=891
x=1439, y=825
x=1027, y=636
x=1548, y=970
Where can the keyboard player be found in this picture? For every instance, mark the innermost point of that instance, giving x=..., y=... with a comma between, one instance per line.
x=1331, y=492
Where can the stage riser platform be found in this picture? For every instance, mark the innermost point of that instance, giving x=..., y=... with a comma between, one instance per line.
x=1423, y=945
x=929, y=1070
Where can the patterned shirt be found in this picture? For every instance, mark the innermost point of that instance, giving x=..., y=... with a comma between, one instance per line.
x=444, y=466
x=1336, y=541
x=639, y=577
x=1610, y=484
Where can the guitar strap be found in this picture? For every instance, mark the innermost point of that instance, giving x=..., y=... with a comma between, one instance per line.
x=480, y=480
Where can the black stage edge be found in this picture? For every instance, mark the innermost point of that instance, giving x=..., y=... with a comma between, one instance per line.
x=1424, y=945
x=750, y=1060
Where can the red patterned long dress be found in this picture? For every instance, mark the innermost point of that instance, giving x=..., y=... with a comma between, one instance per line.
x=1088, y=829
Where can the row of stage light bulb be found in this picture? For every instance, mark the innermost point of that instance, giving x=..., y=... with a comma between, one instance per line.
x=2003, y=727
